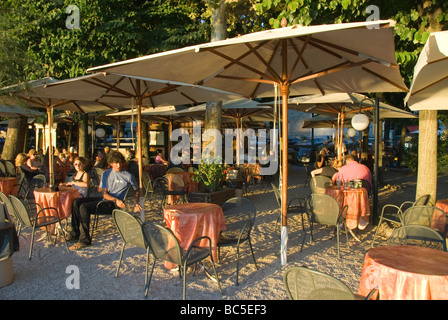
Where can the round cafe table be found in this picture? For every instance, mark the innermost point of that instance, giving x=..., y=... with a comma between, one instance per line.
x=62, y=200
x=358, y=205
x=9, y=185
x=189, y=221
x=405, y=273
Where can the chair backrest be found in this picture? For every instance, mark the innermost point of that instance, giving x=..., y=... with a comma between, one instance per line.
x=38, y=181
x=129, y=227
x=422, y=200
x=240, y=214
x=147, y=183
x=277, y=195
x=175, y=182
x=157, y=171
x=7, y=202
x=416, y=235
x=21, y=211
x=175, y=169
x=324, y=209
x=319, y=183
x=302, y=283
x=10, y=169
x=162, y=242
x=3, y=172
x=428, y=216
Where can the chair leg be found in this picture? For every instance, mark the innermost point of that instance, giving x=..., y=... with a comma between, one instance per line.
x=150, y=277
x=376, y=231
x=119, y=261
x=31, y=244
x=252, y=251
x=184, y=281
x=237, y=262
x=216, y=274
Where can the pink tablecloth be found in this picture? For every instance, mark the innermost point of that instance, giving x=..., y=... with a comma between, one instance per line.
x=61, y=200
x=357, y=201
x=189, y=221
x=9, y=185
x=405, y=273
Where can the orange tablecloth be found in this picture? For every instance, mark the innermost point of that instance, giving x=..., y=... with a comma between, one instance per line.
x=405, y=273
x=357, y=201
x=189, y=221
x=9, y=185
x=61, y=200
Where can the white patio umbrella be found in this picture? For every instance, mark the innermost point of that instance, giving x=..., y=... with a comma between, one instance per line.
x=135, y=92
x=15, y=111
x=34, y=93
x=429, y=87
x=297, y=60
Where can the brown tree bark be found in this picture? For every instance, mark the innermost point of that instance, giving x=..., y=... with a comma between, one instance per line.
x=15, y=139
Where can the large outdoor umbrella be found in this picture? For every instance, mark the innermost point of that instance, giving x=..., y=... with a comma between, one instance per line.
x=133, y=92
x=297, y=60
x=35, y=93
x=241, y=110
x=15, y=111
x=429, y=88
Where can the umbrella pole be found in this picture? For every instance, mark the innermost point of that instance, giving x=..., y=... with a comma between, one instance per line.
x=50, y=146
x=139, y=157
x=284, y=91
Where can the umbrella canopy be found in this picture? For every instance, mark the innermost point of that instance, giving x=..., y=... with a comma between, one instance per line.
x=297, y=60
x=429, y=88
x=15, y=111
x=133, y=91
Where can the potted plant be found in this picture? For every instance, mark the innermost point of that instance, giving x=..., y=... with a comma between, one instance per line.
x=210, y=176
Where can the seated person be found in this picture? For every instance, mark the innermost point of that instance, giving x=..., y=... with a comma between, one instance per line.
x=20, y=162
x=328, y=171
x=159, y=158
x=114, y=184
x=321, y=159
x=32, y=160
x=353, y=170
x=81, y=179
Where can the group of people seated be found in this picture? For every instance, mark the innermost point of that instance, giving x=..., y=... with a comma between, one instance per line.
x=337, y=171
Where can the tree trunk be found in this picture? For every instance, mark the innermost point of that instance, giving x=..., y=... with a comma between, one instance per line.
x=15, y=141
x=145, y=140
x=427, y=154
x=218, y=23
x=83, y=136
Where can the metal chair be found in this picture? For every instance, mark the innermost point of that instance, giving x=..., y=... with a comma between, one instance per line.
x=10, y=209
x=27, y=218
x=295, y=206
x=164, y=246
x=38, y=181
x=10, y=169
x=148, y=185
x=428, y=216
x=416, y=235
x=130, y=229
x=105, y=207
x=393, y=214
x=175, y=188
x=240, y=214
x=324, y=209
x=302, y=283
x=3, y=172
x=175, y=169
x=319, y=183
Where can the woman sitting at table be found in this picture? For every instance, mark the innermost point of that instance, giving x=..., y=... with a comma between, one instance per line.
x=159, y=158
x=81, y=179
x=328, y=171
x=21, y=165
x=32, y=160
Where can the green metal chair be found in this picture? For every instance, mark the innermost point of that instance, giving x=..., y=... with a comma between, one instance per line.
x=295, y=206
x=130, y=229
x=148, y=185
x=10, y=209
x=319, y=183
x=165, y=246
x=393, y=214
x=302, y=283
x=25, y=213
x=324, y=209
x=416, y=235
x=240, y=214
x=428, y=216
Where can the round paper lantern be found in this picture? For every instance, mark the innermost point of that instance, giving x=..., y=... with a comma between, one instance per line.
x=360, y=121
x=100, y=132
x=351, y=132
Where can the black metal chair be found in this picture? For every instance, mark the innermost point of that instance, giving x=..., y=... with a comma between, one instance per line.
x=165, y=246
x=240, y=214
